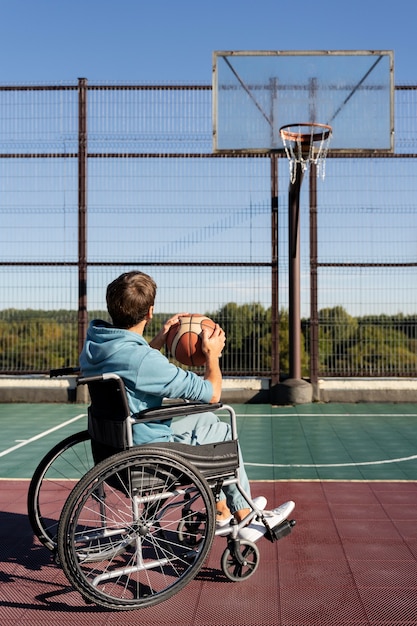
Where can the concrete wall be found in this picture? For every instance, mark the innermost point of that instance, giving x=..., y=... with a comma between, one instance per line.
x=368, y=390
x=33, y=389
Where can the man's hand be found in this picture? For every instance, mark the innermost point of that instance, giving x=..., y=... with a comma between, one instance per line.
x=212, y=342
x=159, y=340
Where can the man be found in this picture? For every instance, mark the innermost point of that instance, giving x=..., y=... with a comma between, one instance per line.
x=149, y=377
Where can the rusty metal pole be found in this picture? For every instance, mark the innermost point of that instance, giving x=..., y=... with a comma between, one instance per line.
x=294, y=309
x=314, y=322
x=274, y=273
x=294, y=390
x=82, y=212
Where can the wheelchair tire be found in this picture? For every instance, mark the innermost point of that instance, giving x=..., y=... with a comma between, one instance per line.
x=52, y=481
x=240, y=561
x=119, y=542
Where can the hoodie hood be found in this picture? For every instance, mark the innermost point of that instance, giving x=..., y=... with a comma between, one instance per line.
x=104, y=341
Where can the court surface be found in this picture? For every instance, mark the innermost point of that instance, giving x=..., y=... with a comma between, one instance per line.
x=350, y=560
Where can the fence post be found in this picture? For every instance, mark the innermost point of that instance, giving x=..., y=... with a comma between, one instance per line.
x=274, y=272
x=314, y=321
x=82, y=212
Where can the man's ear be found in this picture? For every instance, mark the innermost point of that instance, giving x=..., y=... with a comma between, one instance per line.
x=150, y=313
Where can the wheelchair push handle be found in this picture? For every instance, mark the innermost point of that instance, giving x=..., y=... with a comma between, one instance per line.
x=64, y=371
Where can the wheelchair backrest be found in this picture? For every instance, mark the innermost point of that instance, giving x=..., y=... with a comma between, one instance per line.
x=109, y=423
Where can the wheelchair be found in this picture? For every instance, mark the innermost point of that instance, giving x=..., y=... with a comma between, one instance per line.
x=136, y=523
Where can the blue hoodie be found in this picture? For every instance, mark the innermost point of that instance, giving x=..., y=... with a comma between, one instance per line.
x=147, y=374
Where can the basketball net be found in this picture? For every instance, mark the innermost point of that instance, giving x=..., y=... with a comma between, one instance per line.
x=304, y=144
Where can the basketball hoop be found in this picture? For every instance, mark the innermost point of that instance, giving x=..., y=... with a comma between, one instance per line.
x=306, y=143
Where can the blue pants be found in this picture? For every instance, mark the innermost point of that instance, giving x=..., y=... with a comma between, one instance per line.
x=207, y=428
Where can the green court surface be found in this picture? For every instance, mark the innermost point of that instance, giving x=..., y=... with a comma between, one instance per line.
x=304, y=442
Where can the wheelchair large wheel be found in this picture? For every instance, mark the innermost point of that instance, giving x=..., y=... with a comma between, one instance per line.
x=52, y=482
x=120, y=542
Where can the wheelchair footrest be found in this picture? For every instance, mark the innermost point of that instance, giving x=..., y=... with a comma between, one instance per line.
x=281, y=530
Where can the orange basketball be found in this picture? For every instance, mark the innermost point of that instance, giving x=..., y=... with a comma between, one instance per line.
x=184, y=340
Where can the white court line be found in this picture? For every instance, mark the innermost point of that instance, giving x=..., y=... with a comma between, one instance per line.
x=313, y=465
x=400, y=460
x=46, y=432
x=326, y=415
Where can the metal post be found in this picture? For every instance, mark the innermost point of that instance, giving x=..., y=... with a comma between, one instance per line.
x=314, y=322
x=294, y=310
x=82, y=212
x=274, y=273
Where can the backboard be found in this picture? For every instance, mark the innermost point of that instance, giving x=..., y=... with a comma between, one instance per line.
x=257, y=92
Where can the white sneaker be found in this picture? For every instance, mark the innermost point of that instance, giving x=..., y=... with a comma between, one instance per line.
x=260, y=502
x=257, y=529
x=221, y=523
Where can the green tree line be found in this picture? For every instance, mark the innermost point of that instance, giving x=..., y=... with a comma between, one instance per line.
x=35, y=340
x=374, y=345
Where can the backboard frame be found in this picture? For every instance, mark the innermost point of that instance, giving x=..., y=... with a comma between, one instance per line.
x=349, y=94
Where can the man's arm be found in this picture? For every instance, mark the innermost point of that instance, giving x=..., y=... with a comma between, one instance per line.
x=212, y=343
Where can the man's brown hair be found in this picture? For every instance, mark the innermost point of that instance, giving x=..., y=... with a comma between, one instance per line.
x=129, y=298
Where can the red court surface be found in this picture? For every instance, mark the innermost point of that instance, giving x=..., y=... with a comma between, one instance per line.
x=350, y=560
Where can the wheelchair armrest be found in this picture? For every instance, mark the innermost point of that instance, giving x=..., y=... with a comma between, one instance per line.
x=99, y=378
x=174, y=410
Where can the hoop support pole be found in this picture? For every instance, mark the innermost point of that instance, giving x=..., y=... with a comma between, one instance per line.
x=294, y=308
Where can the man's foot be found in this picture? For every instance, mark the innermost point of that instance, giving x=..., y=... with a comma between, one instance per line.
x=223, y=514
x=221, y=522
x=257, y=529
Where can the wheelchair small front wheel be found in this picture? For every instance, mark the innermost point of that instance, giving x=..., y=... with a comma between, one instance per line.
x=240, y=560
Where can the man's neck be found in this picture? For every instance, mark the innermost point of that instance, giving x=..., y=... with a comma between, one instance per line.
x=138, y=328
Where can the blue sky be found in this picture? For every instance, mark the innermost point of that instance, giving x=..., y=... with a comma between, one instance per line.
x=162, y=41
x=169, y=41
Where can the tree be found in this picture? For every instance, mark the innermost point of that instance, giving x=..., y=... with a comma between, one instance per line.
x=336, y=329
x=379, y=351
x=244, y=326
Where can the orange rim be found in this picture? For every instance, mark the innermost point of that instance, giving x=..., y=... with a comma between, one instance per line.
x=305, y=138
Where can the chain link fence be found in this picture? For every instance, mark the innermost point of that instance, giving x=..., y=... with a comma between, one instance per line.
x=100, y=179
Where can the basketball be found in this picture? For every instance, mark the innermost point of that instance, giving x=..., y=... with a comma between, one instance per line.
x=183, y=340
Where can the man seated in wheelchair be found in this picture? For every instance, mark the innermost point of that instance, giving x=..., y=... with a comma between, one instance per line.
x=149, y=377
